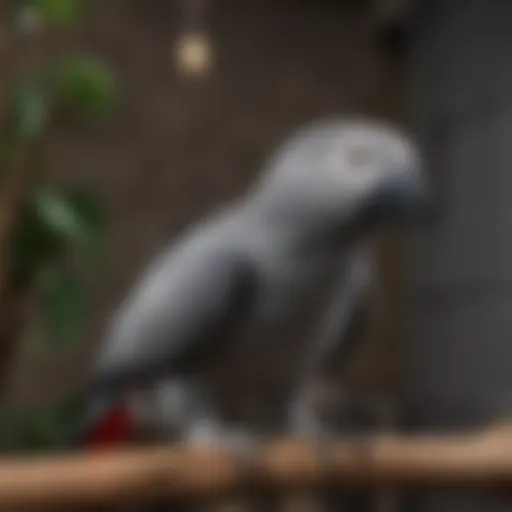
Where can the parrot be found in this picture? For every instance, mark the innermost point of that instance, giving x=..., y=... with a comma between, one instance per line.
x=225, y=330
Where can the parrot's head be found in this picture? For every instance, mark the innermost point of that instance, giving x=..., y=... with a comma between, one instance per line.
x=341, y=172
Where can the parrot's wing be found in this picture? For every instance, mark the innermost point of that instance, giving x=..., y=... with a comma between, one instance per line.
x=182, y=309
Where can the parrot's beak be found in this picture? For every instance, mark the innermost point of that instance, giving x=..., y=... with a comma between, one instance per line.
x=407, y=199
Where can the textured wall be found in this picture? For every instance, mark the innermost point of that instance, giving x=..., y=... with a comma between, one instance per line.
x=460, y=357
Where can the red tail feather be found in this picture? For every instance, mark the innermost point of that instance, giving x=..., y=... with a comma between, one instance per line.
x=114, y=430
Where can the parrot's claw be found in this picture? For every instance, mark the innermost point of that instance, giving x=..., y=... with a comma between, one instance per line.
x=235, y=441
x=307, y=426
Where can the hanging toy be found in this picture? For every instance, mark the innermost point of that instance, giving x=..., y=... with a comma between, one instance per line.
x=193, y=48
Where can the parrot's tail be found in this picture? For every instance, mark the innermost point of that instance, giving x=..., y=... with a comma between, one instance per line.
x=105, y=423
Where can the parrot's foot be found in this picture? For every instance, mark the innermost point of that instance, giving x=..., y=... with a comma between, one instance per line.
x=237, y=442
x=306, y=425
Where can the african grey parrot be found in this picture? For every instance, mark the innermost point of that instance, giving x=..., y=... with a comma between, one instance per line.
x=226, y=329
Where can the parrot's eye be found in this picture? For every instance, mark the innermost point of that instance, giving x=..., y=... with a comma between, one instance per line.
x=362, y=156
x=359, y=156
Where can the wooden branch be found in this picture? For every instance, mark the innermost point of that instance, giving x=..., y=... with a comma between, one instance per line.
x=174, y=472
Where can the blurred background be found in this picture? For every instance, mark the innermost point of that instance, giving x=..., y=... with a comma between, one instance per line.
x=179, y=140
x=126, y=120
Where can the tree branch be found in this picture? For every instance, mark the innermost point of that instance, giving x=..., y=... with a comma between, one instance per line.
x=480, y=460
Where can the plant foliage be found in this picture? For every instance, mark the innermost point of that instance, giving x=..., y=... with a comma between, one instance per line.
x=58, y=230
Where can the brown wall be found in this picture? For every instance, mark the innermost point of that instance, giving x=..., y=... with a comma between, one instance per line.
x=176, y=148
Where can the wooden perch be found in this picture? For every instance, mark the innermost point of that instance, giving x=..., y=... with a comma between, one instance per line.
x=483, y=460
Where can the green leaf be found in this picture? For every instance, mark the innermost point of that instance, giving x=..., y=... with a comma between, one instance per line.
x=59, y=12
x=93, y=227
x=88, y=211
x=70, y=214
x=52, y=223
x=64, y=303
x=27, y=113
x=32, y=244
x=87, y=86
